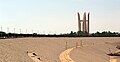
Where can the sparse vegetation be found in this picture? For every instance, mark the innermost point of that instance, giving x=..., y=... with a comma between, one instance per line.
x=72, y=34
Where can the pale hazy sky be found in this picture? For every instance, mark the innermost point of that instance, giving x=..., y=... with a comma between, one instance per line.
x=58, y=16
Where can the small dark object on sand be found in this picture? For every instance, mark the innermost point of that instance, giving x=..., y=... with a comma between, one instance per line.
x=118, y=46
x=114, y=54
x=27, y=51
x=39, y=58
x=34, y=54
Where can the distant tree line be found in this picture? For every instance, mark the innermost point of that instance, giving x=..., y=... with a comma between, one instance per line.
x=106, y=34
x=97, y=34
x=71, y=34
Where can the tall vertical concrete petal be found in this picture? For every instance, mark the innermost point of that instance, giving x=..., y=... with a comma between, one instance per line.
x=88, y=22
x=83, y=29
x=79, y=23
x=84, y=22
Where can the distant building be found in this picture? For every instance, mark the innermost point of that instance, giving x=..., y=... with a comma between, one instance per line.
x=83, y=25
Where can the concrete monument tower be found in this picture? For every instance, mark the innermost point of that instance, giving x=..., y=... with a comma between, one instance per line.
x=83, y=25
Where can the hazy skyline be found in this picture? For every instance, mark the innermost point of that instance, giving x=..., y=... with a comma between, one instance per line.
x=58, y=16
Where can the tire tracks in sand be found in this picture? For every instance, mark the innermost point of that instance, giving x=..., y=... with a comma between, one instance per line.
x=65, y=55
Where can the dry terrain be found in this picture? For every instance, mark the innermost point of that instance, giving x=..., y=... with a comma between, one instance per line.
x=90, y=49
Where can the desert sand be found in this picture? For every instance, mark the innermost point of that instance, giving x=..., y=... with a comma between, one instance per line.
x=94, y=49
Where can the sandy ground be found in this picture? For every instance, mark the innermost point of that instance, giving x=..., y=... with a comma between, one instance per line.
x=49, y=49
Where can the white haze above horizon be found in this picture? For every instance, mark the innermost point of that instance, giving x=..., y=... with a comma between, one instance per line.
x=58, y=16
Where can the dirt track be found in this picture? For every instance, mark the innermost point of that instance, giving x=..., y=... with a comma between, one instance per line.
x=65, y=55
